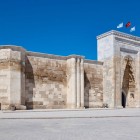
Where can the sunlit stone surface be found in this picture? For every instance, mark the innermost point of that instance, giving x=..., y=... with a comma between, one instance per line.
x=30, y=80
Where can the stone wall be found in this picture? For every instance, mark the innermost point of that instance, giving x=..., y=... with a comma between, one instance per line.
x=42, y=81
x=11, y=77
x=106, y=54
x=53, y=82
x=113, y=48
x=4, y=78
x=93, y=86
x=45, y=82
x=128, y=70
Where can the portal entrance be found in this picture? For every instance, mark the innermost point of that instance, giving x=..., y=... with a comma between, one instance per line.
x=128, y=83
x=123, y=100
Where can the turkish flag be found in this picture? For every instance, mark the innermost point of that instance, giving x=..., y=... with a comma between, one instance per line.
x=128, y=24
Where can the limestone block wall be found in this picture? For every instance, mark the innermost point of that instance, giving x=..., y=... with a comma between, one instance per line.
x=106, y=54
x=42, y=81
x=120, y=54
x=46, y=83
x=4, y=78
x=17, y=78
x=129, y=50
x=75, y=81
x=93, y=85
x=12, y=76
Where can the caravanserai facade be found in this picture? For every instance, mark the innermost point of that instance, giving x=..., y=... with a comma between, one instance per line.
x=30, y=80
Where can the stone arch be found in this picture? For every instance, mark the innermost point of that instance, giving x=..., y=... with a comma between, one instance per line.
x=128, y=81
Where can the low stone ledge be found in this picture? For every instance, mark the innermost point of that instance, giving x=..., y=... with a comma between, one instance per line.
x=21, y=107
x=13, y=48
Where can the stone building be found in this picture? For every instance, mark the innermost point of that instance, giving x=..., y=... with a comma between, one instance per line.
x=42, y=81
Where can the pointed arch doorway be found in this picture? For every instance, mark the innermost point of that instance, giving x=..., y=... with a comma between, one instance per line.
x=128, y=83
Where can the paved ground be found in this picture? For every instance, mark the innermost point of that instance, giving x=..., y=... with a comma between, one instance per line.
x=71, y=125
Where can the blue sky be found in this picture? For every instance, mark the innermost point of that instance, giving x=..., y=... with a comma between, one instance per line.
x=64, y=27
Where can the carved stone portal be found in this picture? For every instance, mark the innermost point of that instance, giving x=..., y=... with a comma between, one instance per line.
x=128, y=83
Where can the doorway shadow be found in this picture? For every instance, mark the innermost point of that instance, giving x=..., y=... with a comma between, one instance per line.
x=29, y=84
x=123, y=100
x=87, y=87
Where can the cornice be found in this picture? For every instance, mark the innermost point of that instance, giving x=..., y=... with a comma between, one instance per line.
x=13, y=47
x=93, y=62
x=45, y=55
x=119, y=34
x=52, y=56
x=75, y=56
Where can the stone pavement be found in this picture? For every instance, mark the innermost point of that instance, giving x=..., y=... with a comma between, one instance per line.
x=62, y=113
x=90, y=124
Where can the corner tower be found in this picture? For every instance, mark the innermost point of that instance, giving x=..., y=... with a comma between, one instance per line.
x=12, y=76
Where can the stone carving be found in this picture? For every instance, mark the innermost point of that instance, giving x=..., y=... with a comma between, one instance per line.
x=128, y=79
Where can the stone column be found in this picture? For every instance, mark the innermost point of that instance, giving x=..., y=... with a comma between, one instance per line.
x=117, y=77
x=71, y=82
x=12, y=76
x=4, y=78
x=82, y=82
x=78, y=84
x=17, y=77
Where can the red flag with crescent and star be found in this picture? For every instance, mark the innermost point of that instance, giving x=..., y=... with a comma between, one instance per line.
x=128, y=24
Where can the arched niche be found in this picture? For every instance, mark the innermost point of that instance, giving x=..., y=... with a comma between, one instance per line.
x=128, y=81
